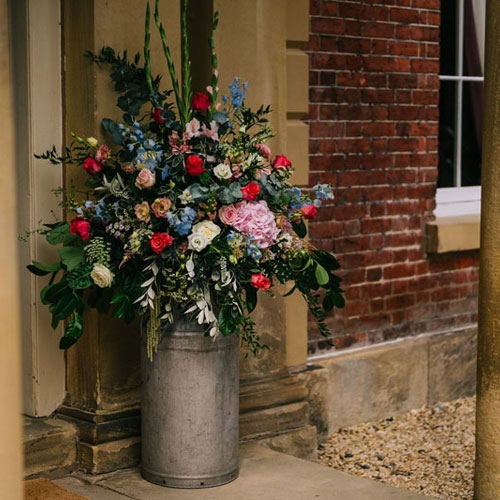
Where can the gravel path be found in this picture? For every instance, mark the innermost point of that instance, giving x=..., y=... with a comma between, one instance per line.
x=429, y=451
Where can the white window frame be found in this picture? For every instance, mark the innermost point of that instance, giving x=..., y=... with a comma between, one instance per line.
x=458, y=200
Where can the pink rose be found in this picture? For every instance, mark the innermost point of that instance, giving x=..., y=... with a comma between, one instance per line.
x=102, y=154
x=161, y=206
x=255, y=219
x=228, y=214
x=145, y=179
x=142, y=212
x=264, y=150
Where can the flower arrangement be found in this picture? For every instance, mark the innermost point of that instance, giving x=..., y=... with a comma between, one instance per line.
x=188, y=212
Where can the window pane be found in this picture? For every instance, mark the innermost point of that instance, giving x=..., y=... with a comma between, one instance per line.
x=446, y=134
x=472, y=37
x=472, y=133
x=448, y=36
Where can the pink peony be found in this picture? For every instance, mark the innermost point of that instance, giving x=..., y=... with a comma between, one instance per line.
x=145, y=179
x=255, y=219
x=228, y=214
x=161, y=206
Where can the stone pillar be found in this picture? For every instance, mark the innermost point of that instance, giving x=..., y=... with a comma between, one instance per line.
x=11, y=468
x=259, y=41
x=103, y=368
x=487, y=475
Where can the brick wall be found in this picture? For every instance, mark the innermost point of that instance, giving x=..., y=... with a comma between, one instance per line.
x=374, y=94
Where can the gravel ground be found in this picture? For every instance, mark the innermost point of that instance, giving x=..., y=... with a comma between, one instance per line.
x=429, y=451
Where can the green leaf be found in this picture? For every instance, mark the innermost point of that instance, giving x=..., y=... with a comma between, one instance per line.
x=72, y=332
x=228, y=323
x=79, y=278
x=321, y=275
x=111, y=127
x=60, y=234
x=43, y=269
x=71, y=257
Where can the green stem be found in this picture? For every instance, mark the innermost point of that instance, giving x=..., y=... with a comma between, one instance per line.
x=186, y=64
x=215, y=74
x=147, y=54
x=171, y=67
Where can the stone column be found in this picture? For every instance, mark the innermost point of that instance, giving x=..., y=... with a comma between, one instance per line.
x=103, y=368
x=487, y=475
x=11, y=468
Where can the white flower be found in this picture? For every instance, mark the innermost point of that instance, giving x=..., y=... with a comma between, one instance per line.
x=193, y=128
x=207, y=228
x=197, y=241
x=101, y=276
x=186, y=197
x=223, y=171
x=92, y=142
x=190, y=267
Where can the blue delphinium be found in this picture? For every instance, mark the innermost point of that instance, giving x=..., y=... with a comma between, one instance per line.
x=238, y=91
x=182, y=221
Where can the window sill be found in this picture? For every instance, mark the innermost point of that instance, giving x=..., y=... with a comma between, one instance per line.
x=453, y=234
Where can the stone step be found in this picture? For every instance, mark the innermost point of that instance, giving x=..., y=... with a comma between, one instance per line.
x=264, y=475
x=49, y=446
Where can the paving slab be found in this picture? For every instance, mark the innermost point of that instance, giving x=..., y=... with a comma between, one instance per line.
x=264, y=475
x=90, y=491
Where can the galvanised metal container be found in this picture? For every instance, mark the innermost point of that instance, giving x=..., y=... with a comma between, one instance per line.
x=189, y=412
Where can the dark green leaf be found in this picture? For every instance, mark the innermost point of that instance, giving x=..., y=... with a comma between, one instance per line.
x=251, y=296
x=79, y=278
x=72, y=332
x=300, y=229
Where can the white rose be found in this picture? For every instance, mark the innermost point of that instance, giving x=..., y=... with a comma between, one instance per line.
x=101, y=276
x=223, y=171
x=197, y=241
x=207, y=228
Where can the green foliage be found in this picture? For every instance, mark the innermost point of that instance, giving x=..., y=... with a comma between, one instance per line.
x=72, y=332
x=71, y=257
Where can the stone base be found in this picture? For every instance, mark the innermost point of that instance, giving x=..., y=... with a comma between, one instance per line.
x=300, y=443
x=374, y=382
x=110, y=456
x=49, y=446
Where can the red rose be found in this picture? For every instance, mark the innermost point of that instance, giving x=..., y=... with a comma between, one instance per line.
x=159, y=241
x=200, y=101
x=281, y=162
x=80, y=226
x=156, y=116
x=258, y=280
x=250, y=191
x=91, y=166
x=309, y=211
x=194, y=165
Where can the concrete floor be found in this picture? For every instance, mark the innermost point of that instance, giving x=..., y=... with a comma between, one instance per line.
x=264, y=475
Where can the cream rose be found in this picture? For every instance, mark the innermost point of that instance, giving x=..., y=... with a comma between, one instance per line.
x=145, y=179
x=223, y=171
x=207, y=228
x=197, y=241
x=101, y=276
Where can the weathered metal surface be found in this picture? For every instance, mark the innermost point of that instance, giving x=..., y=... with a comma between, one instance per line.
x=190, y=409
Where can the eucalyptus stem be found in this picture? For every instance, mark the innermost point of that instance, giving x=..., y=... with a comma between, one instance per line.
x=186, y=64
x=171, y=66
x=215, y=73
x=147, y=54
